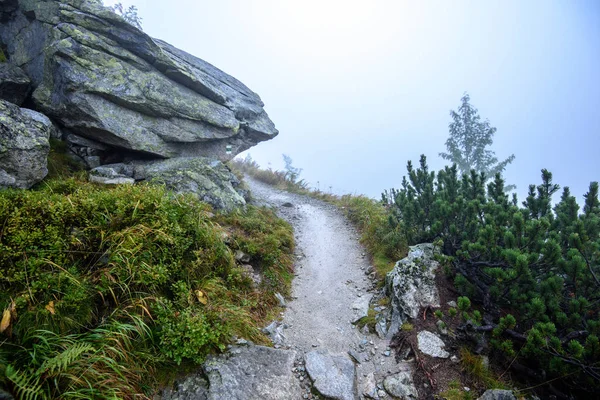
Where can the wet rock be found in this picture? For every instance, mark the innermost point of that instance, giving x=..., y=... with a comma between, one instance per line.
x=255, y=372
x=411, y=285
x=334, y=376
x=24, y=146
x=401, y=385
x=431, y=344
x=14, y=84
x=497, y=394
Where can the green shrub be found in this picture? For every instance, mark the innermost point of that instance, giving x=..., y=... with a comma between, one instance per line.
x=129, y=278
x=540, y=261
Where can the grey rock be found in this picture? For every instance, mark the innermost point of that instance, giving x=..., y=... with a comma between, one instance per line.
x=112, y=181
x=253, y=373
x=431, y=344
x=401, y=385
x=106, y=80
x=193, y=387
x=360, y=307
x=241, y=256
x=369, y=387
x=210, y=180
x=280, y=299
x=497, y=394
x=354, y=356
x=411, y=285
x=452, y=303
x=24, y=146
x=287, y=204
x=334, y=376
x=275, y=332
x=252, y=274
x=14, y=84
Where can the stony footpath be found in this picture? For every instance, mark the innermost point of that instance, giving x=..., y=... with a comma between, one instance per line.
x=319, y=352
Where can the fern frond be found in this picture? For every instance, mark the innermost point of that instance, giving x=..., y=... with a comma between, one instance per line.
x=61, y=361
x=27, y=385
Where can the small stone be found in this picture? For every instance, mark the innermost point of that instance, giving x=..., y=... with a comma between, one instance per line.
x=431, y=344
x=280, y=299
x=381, y=393
x=454, y=359
x=452, y=304
x=387, y=353
x=287, y=204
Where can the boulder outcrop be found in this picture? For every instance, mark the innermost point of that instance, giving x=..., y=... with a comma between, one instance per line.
x=106, y=80
x=120, y=96
x=206, y=178
x=24, y=146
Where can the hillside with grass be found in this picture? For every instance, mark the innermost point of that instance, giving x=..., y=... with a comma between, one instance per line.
x=104, y=290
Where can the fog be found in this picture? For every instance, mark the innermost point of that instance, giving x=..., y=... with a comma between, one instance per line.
x=357, y=88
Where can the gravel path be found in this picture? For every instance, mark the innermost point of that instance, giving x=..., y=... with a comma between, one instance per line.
x=330, y=282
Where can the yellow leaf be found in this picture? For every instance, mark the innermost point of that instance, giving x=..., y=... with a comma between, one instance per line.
x=50, y=307
x=201, y=297
x=5, y=320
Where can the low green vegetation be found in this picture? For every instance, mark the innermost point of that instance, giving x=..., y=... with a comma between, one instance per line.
x=2, y=56
x=103, y=289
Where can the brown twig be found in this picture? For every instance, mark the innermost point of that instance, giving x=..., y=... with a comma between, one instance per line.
x=421, y=366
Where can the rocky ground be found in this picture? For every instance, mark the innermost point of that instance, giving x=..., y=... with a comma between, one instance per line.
x=319, y=351
x=331, y=291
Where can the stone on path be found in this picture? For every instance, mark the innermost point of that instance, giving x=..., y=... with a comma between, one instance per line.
x=334, y=376
x=253, y=373
x=360, y=307
x=401, y=385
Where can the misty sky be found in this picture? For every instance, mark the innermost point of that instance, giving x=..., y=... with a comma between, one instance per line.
x=357, y=88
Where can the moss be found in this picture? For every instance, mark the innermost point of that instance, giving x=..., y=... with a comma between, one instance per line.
x=3, y=58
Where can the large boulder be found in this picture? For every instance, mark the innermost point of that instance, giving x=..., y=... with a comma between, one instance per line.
x=24, y=146
x=106, y=80
x=14, y=84
x=208, y=179
x=411, y=285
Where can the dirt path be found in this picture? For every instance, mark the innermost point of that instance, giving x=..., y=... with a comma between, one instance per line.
x=330, y=284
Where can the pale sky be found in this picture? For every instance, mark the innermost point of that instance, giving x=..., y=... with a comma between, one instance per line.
x=357, y=88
